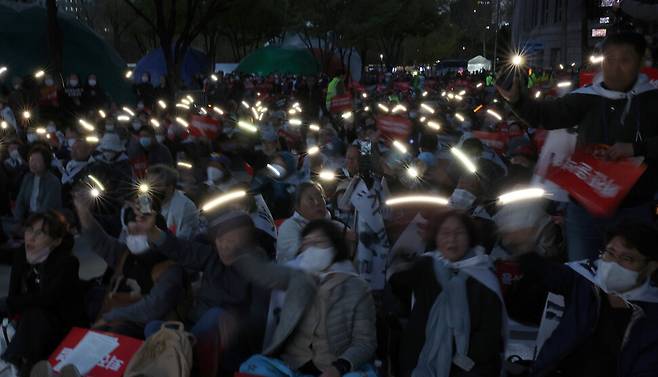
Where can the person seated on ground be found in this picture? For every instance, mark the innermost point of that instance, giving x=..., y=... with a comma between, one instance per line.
x=309, y=205
x=179, y=211
x=76, y=169
x=277, y=183
x=40, y=190
x=610, y=322
x=455, y=327
x=44, y=292
x=146, y=287
x=112, y=169
x=225, y=300
x=146, y=150
x=327, y=324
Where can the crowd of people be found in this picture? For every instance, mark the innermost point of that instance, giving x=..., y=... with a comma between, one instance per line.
x=265, y=216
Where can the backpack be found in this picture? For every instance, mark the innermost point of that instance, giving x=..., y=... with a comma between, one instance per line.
x=167, y=353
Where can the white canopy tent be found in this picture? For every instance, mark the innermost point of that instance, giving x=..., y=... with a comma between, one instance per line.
x=479, y=62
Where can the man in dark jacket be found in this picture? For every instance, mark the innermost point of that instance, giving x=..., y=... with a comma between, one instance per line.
x=227, y=308
x=609, y=326
x=618, y=110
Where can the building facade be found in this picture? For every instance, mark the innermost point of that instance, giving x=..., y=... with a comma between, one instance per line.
x=554, y=32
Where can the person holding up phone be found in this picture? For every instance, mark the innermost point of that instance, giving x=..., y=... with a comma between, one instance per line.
x=618, y=110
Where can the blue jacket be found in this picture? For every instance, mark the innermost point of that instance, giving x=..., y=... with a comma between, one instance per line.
x=638, y=356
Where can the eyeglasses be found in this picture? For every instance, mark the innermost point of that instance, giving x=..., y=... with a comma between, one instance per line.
x=609, y=254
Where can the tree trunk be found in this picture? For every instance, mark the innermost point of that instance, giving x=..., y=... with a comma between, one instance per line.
x=54, y=38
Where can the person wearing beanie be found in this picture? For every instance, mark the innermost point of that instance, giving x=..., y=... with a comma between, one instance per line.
x=225, y=300
x=609, y=326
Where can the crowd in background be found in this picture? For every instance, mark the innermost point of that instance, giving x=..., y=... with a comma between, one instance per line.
x=259, y=216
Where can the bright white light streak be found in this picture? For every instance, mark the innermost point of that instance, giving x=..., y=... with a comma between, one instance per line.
x=162, y=104
x=417, y=199
x=327, y=175
x=314, y=127
x=182, y=122
x=182, y=106
x=123, y=118
x=346, y=115
x=295, y=122
x=86, y=125
x=128, y=110
x=102, y=114
x=218, y=110
x=92, y=140
x=382, y=107
x=96, y=182
x=399, y=146
x=427, y=108
x=433, y=125
x=518, y=195
x=564, y=84
x=184, y=165
x=274, y=170
x=468, y=164
x=214, y=203
x=460, y=117
x=155, y=123
x=39, y=74
x=313, y=150
x=245, y=104
x=494, y=114
x=247, y=126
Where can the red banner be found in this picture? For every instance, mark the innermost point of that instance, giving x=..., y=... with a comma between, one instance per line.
x=598, y=185
x=494, y=140
x=341, y=103
x=402, y=86
x=205, y=126
x=111, y=366
x=394, y=126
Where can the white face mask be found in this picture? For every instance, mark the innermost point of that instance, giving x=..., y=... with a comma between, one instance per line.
x=614, y=278
x=461, y=199
x=316, y=259
x=31, y=138
x=92, y=82
x=137, y=126
x=39, y=256
x=214, y=174
x=160, y=138
x=109, y=155
x=73, y=82
x=137, y=244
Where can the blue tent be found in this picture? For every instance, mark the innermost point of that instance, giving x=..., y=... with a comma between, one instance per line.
x=154, y=64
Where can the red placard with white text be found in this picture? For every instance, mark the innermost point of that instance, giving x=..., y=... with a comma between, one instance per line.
x=394, y=126
x=598, y=185
x=494, y=140
x=341, y=103
x=204, y=126
x=111, y=366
